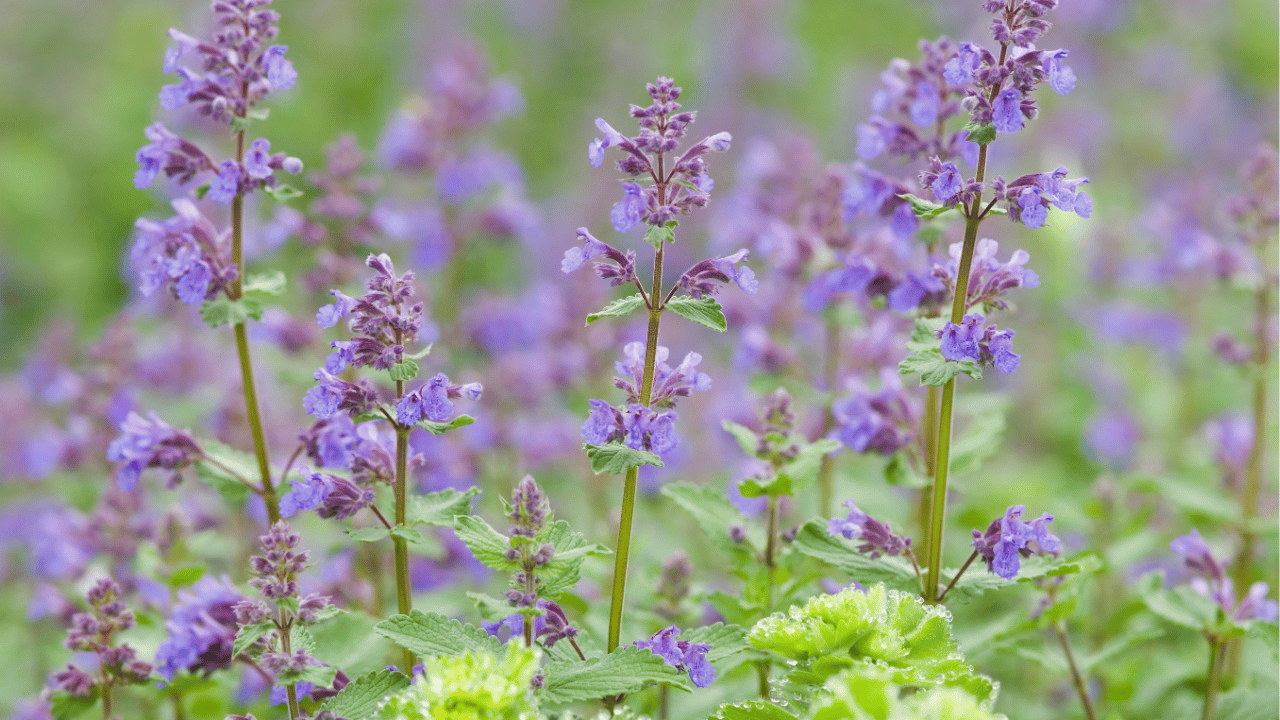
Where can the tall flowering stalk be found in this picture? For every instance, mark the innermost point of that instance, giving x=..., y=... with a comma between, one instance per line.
x=676, y=185
x=187, y=253
x=996, y=93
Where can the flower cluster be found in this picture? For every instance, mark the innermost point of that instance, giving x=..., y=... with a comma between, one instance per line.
x=150, y=443
x=202, y=629
x=1008, y=538
x=985, y=345
x=432, y=400
x=989, y=278
x=705, y=277
x=876, y=538
x=687, y=657
x=91, y=632
x=1212, y=581
x=1028, y=197
x=876, y=421
x=637, y=426
x=676, y=189
x=623, y=269
x=184, y=253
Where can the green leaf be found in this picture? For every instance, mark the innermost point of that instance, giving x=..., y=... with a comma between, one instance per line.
x=936, y=370
x=623, y=671
x=926, y=209
x=440, y=508
x=705, y=311
x=186, y=575
x=490, y=608
x=359, y=700
x=618, y=308
x=271, y=283
x=616, y=458
x=347, y=640
x=898, y=472
x=423, y=544
x=283, y=192
x=421, y=353
x=725, y=640
x=746, y=437
x=712, y=511
x=369, y=534
x=222, y=310
x=1119, y=644
x=227, y=485
x=1180, y=606
x=980, y=441
x=434, y=634
x=572, y=549
x=440, y=428
x=487, y=544
x=655, y=235
x=753, y=710
x=65, y=706
x=249, y=634
x=802, y=470
x=978, y=580
x=319, y=675
x=982, y=134
x=814, y=540
x=403, y=371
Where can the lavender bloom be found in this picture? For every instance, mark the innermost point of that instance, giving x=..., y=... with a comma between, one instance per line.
x=1028, y=197
x=1006, y=113
x=960, y=342
x=551, y=627
x=623, y=269
x=329, y=315
x=1059, y=76
x=602, y=423
x=201, y=629
x=626, y=213
x=668, y=383
x=877, y=537
x=183, y=252
x=1214, y=583
x=948, y=184
x=344, y=499
x=880, y=422
x=913, y=290
x=681, y=654
x=308, y=493
x=704, y=277
x=150, y=443
x=334, y=395
x=1008, y=539
x=178, y=158
x=432, y=400
x=92, y=632
x=924, y=110
x=959, y=69
x=988, y=277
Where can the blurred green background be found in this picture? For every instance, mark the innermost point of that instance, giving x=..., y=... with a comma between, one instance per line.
x=78, y=83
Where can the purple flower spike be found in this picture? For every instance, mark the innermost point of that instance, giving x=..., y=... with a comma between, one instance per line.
x=1008, y=539
x=226, y=185
x=960, y=342
x=1006, y=113
x=877, y=537
x=257, y=162
x=949, y=183
x=683, y=655
x=627, y=212
x=1060, y=77
x=308, y=493
x=329, y=315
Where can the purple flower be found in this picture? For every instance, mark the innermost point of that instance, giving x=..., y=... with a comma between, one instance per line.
x=176, y=157
x=959, y=69
x=329, y=315
x=1001, y=347
x=226, y=185
x=257, y=162
x=165, y=253
x=949, y=183
x=280, y=72
x=201, y=629
x=924, y=110
x=1060, y=77
x=871, y=141
x=880, y=422
x=1006, y=112
x=150, y=443
x=914, y=288
x=308, y=493
x=1008, y=539
x=662, y=433
x=704, y=278
x=960, y=342
x=681, y=654
x=595, y=150
x=602, y=423
x=627, y=212
x=877, y=537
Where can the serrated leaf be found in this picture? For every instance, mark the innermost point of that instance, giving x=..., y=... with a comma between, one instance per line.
x=347, y=641
x=616, y=458
x=655, y=235
x=746, y=437
x=978, y=580
x=247, y=635
x=440, y=428
x=222, y=310
x=490, y=608
x=370, y=534
x=488, y=545
x=423, y=544
x=271, y=283
x=754, y=710
x=936, y=370
x=571, y=550
x=402, y=371
x=1119, y=644
x=980, y=441
x=359, y=700
x=227, y=485
x=321, y=676
x=705, y=311
x=982, y=134
x=434, y=634
x=618, y=308
x=439, y=508
x=926, y=209
x=621, y=672
x=814, y=540
x=725, y=640
x=802, y=470
x=712, y=511
x=186, y=575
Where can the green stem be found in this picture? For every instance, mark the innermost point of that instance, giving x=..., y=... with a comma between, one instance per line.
x=929, y=453
x=1253, y=471
x=1076, y=678
x=234, y=291
x=404, y=596
x=106, y=701
x=1215, y=679
x=629, y=484
x=831, y=369
x=291, y=693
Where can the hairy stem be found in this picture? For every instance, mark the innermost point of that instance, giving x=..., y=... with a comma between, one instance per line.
x=629, y=484
x=404, y=597
x=291, y=693
x=234, y=291
x=929, y=455
x=1082, y=689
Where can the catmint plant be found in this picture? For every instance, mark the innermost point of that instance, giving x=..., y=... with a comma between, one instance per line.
x=663, y=186
x=223, y=79
x=92, y=632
